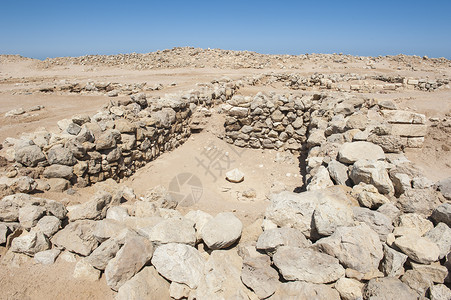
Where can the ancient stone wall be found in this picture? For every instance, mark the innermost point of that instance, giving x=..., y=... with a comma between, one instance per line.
x=122, y=137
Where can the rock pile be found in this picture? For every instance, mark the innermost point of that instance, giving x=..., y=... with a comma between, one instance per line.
x=320, y=244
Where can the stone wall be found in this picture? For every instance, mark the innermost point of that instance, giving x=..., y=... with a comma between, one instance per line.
x=122, y=137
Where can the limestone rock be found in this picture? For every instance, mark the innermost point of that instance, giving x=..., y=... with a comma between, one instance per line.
x=442, y=214
x=29, y=215
x=221, y=231
x=258, y=275
x=393, y=262
x=355, y=247
x=330, y=215
x=368, y=196
x=418, y=201
x=147, y=284
x=296, y=210
x=388, y=288
x=29, y=156
x=179, y=290
x=173, y=230
x=320, y=180
x=161, y=197
x=100, y=257
x=349, y=289
x=107, y=228
x=58, y=171
x=349, y=153
x=378, y=222
x=30, y=243
x=47, y=257
x=418, y=249
x=235, y=176
x=417, y=281
x=307, y=265
x=180, y=263
x=338, y=172
x=94, y=209
x=61, y=156
x=444, y=186
x=200, y=218
x=305, y=290
x=372, y=172
x=84, y=271
x=270, y=240
x=414, y=221
x=135, y=253
x=441, y=235
x=221, y=278
x=77, y=237
x=436, y=272
x=440, y=292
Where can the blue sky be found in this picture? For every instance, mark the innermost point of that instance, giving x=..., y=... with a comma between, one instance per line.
x=41, y=29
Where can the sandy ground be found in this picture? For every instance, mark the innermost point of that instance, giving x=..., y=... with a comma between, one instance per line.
x=203, y=158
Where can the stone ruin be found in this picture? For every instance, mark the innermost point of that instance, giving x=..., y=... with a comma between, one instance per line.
x=366, y=224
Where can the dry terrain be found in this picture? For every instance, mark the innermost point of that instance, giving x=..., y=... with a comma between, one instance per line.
x=38, y=94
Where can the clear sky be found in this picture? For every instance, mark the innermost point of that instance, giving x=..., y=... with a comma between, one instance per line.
x=41, y=29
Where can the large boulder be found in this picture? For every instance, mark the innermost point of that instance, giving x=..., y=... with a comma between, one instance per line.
x=30, y=243
x=393, y=262
x=259, y=276
x=147, y=284
x=270, y=240
x=418, y=248
x=372, y=172
x=180, y=263
x=77, y=237
x=442, y=214
x=58, y=171
x=388, y=288
x=441, y=236
x=29, y=215
x=94, y=209
x=173, y=230
x=349, y=153
x=100, y=257
x=29, y=156
x=307, y=265
x=222, y=231
x=377, y=221
x=222, y=277
x=421, y=201
x=61, y=156
x=135, y=253
x=288, y=209
x=355, y=247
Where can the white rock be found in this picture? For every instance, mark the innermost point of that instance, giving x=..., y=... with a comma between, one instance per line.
x=47, y=257
x=235, y=176
x=84, y=271
x=180, y=263
x=418, y=249
x=355, y=247
x=221, y=231
x=349, y=289
x=147, y=284
x=349, y=153
x=135, y=253
x=307, y=265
